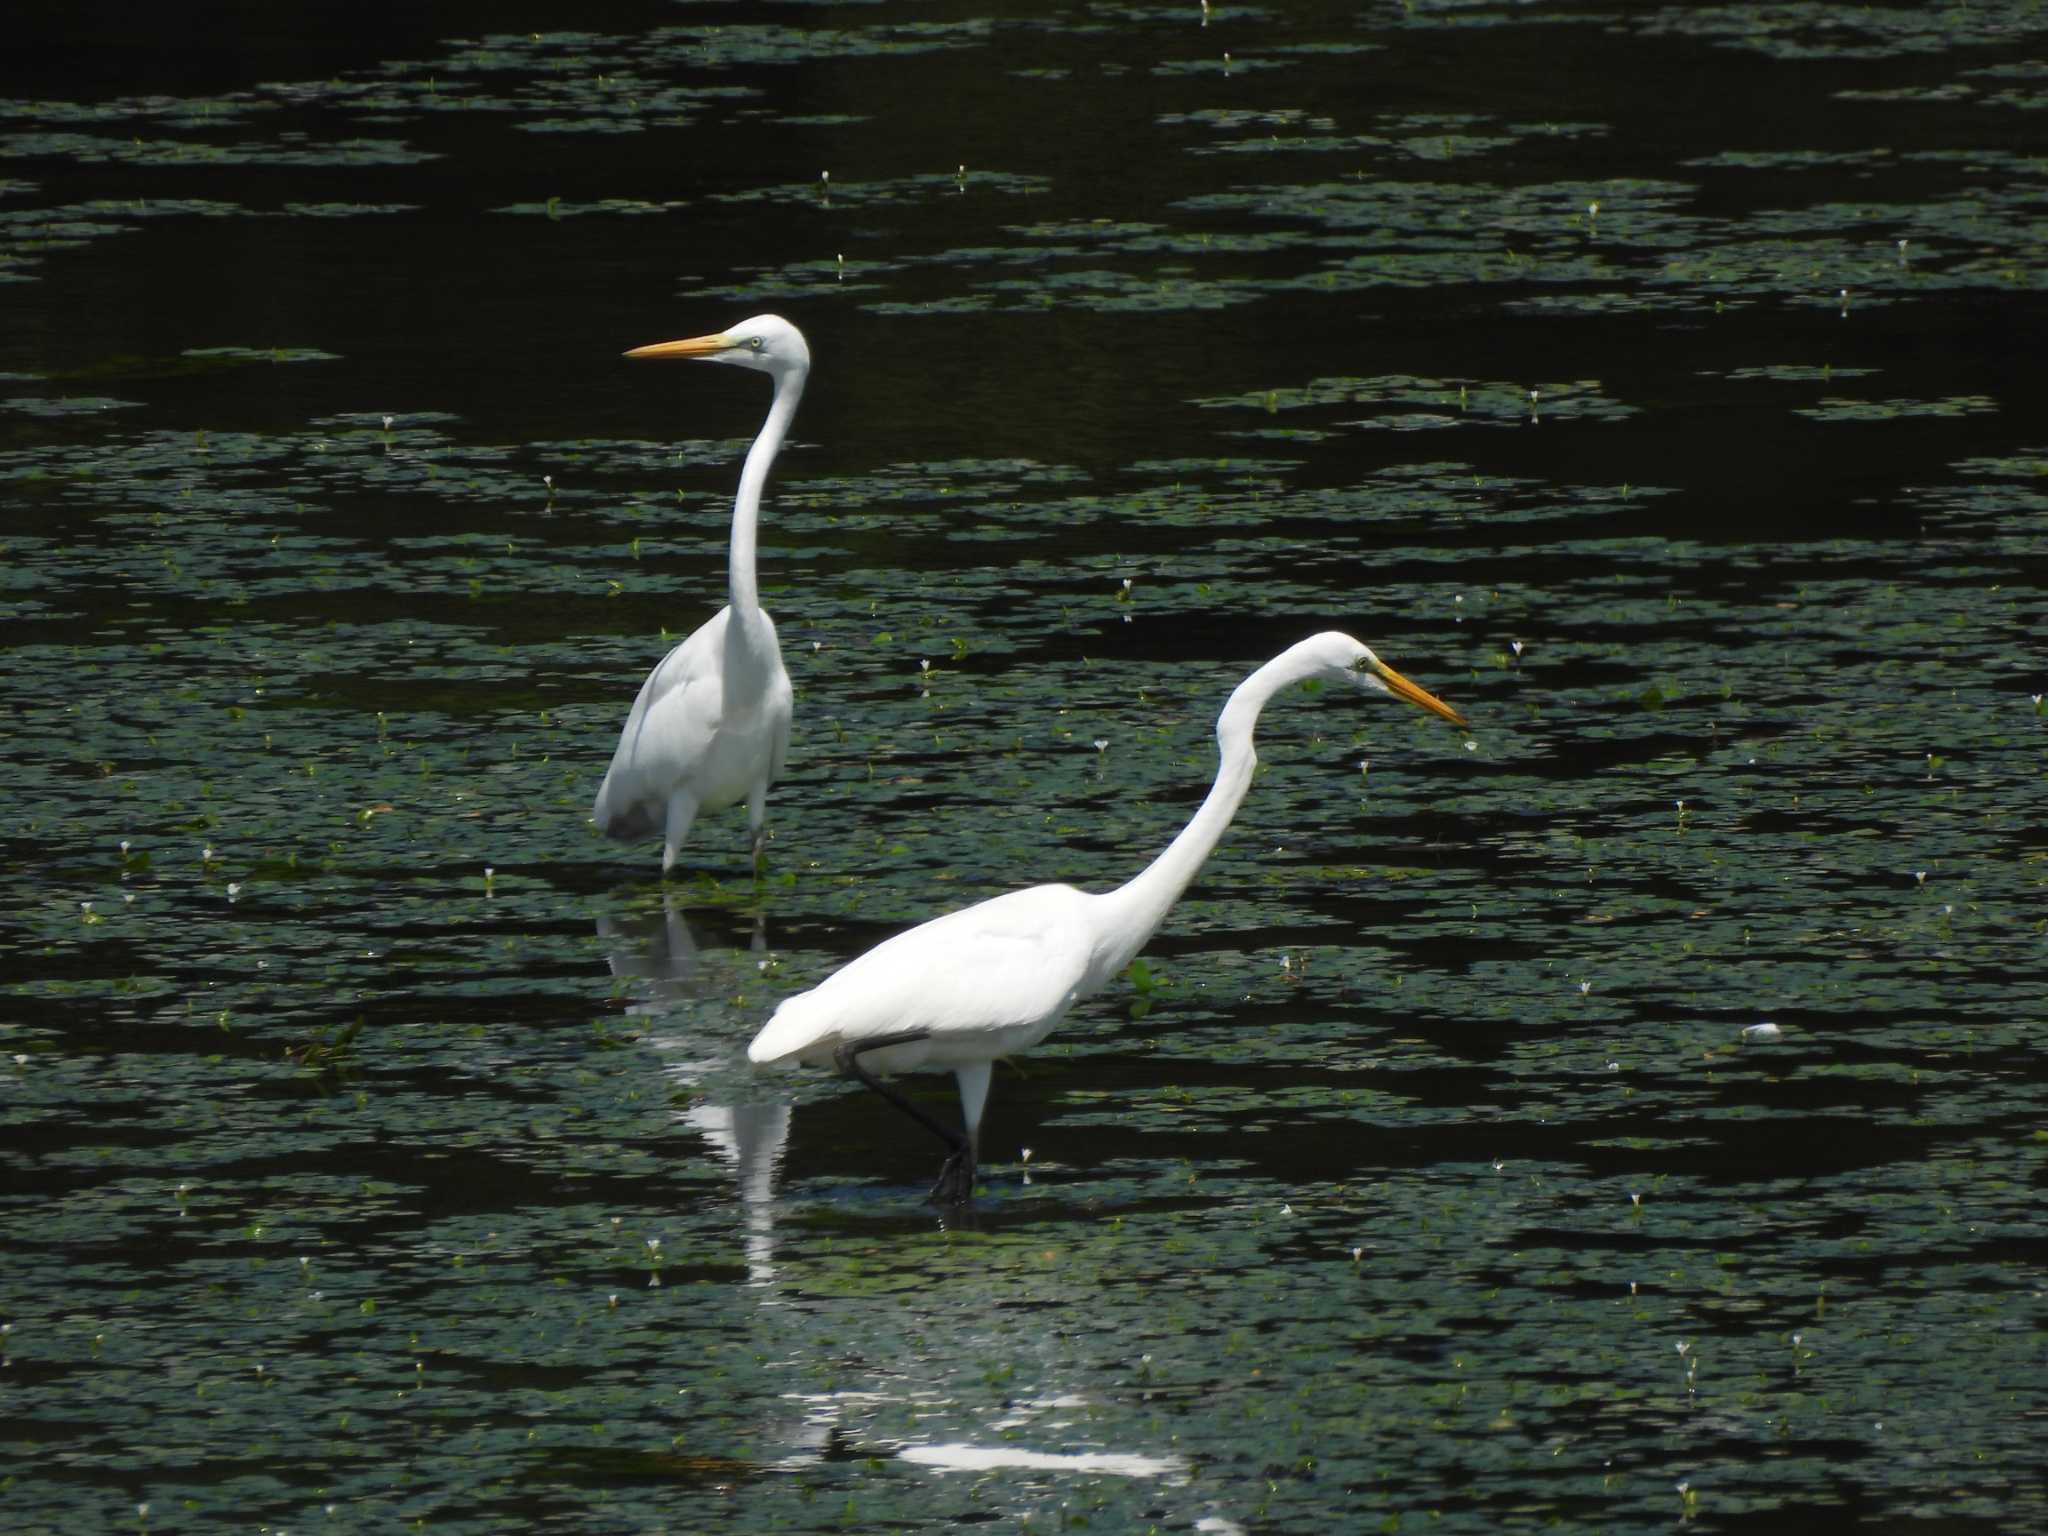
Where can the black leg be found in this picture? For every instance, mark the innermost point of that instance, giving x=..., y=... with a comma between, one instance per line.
x=956, y=1178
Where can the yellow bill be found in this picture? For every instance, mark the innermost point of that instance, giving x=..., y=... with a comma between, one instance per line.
x=1401, y=688
x=692, y=346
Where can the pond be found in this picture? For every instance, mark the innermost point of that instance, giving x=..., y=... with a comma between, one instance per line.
x=1630, y=1110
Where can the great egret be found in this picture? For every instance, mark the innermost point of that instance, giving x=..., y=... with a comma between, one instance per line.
x=711, y=725
x=993, y=979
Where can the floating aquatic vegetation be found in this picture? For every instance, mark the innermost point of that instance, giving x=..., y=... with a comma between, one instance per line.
x=69, y=405
x=1809, y=30
x=1411, y=403
x=312, y=670
x=555, y=208
x=343, y=210
x=1840, y=409
x=901, y=189
x=91, y=149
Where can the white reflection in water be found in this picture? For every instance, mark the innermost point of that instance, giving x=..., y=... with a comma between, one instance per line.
x=750, y=1133
x=988, y=1458
x=825, y=1426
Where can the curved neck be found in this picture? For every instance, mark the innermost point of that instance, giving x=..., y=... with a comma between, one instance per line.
x=1135, y=909
x=742, y=591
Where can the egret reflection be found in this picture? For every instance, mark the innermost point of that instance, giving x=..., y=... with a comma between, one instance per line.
x=675, y=960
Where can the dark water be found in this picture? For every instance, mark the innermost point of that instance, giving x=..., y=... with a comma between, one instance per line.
x=1661, y=386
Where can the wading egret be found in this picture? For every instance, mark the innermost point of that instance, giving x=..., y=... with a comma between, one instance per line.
x=993, y=979
x=711, y=725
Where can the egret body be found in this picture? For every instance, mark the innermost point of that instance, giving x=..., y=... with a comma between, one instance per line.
x=711, y=725
x=995, y=978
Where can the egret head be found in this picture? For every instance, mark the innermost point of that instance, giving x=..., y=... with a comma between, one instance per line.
x=767, y=342
x=1338, y=656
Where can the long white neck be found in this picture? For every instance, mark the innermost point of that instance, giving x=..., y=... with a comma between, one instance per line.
x=1134, y=911
x=743, y=592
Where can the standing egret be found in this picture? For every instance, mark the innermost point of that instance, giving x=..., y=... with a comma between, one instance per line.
x=711, y=725
x=993, y=979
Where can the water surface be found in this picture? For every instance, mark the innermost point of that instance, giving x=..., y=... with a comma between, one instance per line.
x=1659, y=385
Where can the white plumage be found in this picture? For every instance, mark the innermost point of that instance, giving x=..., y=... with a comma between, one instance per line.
x=710, y=727
x=995, y=978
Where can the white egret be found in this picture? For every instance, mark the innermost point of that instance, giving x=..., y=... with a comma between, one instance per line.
x=993, y=979
x=711, y=725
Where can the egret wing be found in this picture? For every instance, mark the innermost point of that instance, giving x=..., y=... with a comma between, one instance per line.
x=671, y=723
x=980, y=982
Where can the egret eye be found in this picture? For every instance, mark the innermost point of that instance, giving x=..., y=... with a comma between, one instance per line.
x=754, y=342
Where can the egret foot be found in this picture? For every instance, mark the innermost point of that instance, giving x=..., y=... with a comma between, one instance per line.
x=956, y=1178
